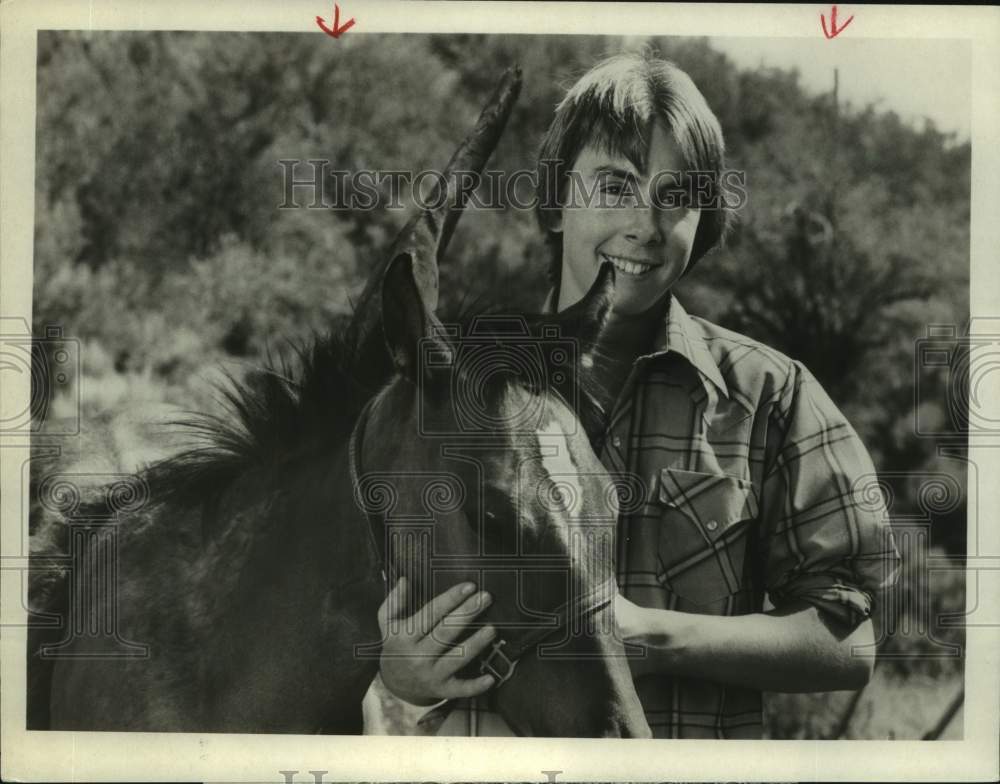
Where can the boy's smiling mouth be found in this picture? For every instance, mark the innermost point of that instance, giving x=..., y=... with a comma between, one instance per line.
x=629, y=266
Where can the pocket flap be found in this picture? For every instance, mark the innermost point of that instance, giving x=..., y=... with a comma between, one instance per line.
x=713, y=501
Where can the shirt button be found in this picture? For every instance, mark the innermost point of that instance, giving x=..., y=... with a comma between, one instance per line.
x=711, y=525
x=617, y=441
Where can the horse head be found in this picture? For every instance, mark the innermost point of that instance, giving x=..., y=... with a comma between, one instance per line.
x=493, y=480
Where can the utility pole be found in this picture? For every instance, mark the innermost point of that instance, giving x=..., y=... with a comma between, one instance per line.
x=831, y=207
x=836, y=89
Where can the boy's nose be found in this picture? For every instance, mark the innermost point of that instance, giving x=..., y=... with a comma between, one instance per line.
x=644, y=226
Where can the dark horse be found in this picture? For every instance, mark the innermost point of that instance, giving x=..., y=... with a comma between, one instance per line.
x=241, y=579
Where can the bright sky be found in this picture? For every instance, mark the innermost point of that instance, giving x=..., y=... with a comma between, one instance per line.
x=914, y=78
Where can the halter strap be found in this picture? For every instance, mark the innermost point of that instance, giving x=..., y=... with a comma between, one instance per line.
x=504, y=654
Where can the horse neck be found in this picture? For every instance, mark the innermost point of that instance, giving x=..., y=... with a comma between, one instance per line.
x=308, y=573
x=336, y=506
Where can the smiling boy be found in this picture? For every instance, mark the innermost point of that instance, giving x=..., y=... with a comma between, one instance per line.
x=753, y=562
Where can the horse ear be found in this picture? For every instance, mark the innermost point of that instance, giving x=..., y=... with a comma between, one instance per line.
x=595, y=309
x=425, y=236
x=405, y=320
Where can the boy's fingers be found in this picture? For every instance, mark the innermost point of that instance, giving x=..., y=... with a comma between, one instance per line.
x=459, y=656
x=454, y=624
x=473, y=687
x=430, y=614
x=395, y=603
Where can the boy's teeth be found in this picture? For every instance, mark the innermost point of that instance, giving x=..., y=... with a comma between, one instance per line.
x=626, y=266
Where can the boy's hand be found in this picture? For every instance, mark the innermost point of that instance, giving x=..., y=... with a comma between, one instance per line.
x=419, y=656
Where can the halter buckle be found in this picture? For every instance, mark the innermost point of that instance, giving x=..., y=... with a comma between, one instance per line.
x=488, y=664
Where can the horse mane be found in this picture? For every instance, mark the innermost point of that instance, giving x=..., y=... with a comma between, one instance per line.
x=293, y=407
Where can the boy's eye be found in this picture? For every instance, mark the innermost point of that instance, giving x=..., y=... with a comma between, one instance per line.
x=671, y=197
x=671, y=192
x=619, y=191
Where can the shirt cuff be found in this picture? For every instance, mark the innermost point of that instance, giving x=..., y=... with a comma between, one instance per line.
x=414, y=714
x=827, y=593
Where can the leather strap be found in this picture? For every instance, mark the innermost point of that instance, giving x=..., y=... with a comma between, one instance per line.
x=504, y=655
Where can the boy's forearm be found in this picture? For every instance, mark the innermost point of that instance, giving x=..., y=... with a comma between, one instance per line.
x=792, y=650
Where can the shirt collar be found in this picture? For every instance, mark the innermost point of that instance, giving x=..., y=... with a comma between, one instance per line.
x=684, y=336
x=681, y=335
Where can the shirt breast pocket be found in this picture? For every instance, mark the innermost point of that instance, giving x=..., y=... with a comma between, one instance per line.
x=706, y=526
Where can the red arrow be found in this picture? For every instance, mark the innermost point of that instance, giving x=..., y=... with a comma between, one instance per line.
x=337, y=29
x=834, y=30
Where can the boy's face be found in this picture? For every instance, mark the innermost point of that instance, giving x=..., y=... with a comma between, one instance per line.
x=649, y=245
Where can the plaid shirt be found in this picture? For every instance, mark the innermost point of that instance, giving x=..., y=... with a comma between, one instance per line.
x=754, y=485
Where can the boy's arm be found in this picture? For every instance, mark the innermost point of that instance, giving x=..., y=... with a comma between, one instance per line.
x=795, y=649
x=825, y=551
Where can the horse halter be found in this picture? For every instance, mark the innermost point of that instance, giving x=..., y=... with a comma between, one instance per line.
x=505, y=652
x=508, y=654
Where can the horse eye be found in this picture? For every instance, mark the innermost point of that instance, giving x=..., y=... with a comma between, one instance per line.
x=498, y=517
x=494, y=504
x=485, y=506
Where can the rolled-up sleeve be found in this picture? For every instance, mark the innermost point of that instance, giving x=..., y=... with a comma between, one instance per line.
x=825, y=528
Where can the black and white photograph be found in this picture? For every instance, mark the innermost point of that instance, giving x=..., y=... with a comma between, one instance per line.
x=379, y=375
